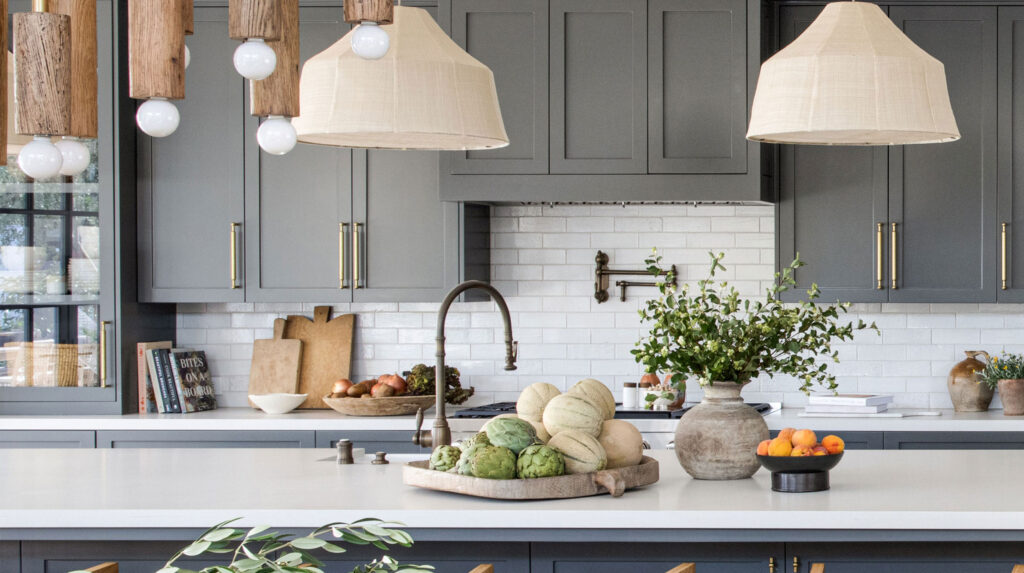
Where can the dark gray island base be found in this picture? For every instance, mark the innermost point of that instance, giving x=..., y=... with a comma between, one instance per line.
x=934, y=512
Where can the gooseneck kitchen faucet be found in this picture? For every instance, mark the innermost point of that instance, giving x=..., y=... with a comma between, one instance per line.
x=441, y=434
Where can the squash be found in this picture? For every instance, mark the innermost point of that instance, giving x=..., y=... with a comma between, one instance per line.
x=582, y=452
x=597, y=393
x=572, y=412
x=542, y=433
x=622, y=443
x=533, y=399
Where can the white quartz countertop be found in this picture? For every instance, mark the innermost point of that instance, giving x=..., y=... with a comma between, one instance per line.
x=126, y=489
x=249, y=419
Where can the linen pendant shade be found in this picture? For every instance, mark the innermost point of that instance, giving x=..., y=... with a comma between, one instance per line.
x=425, y=93
x=852, y=78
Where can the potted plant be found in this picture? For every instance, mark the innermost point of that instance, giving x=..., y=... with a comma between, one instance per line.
x=1006, y=374
x=708, y=334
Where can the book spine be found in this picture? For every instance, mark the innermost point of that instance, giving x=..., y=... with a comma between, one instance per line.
x=143, y=375
x=167, y=381
x=179, y=388
x=159, y=392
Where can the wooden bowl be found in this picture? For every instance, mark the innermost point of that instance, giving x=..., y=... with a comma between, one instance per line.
x=389, y=406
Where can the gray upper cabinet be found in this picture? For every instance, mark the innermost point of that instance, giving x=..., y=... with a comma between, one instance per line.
x=511, y=38
x=842, y=254
x=190, y=184
x=942, y=197
x=598, y=86
x=296, y=204
x=1009, y=233
x=697, y=62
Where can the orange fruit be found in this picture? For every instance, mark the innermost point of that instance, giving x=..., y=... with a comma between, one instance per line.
x=787, y=433
x=801, y=451
x=780, y=447
x=819, y=451
x=762, y=448
x=834, y=444
x=804, y=438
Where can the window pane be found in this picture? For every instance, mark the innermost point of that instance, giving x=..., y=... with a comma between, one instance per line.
x=48, y=250
x=12, y=333
x=49, y=200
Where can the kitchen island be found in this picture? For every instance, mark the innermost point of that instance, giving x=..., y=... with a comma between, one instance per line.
x=139, y=505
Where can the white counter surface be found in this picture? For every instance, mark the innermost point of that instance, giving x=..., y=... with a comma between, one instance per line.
x=248, y=419
x=125, y=489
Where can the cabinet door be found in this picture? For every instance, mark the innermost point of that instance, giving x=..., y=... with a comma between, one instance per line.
x=405, y=243
x=204, y=439
x=954, y=440
x=697, y=61
x=853, y=440
x=511, y=38
x=942, y=197
x=191, y=183
x=653, y=557
x=831, y=201
x=905, y=557
x=31, y=439
x=1011, y=155
x=297, y=204
x=598, y=86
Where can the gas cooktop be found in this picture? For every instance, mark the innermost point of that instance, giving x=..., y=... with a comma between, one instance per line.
x=498, y=408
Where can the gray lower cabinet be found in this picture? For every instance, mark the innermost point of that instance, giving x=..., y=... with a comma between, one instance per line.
x=392, y=442
x=852, y=440
x=954, y=440
x=905, y=557
x=22, y=439
x=204, y=439
x=191, y=183
x=642, y=557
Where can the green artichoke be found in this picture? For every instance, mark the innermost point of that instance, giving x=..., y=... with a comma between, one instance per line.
x=511, y=433
x=473, y=440
x=444, y=458
x=493, y=462
x=540, y=461
x=462, y=467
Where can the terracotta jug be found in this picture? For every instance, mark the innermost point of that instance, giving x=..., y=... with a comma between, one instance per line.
x=967, y=392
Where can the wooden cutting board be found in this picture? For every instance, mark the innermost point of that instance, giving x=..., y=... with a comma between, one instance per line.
x=275, y=364
x=326, y=352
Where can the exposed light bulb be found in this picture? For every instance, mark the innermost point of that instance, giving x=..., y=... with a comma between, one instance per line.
x=188, y=56
x=40, y=159
x=75, y=156
x=157, y=117
x=276, y=135
x=370, y=41
x=254, y=59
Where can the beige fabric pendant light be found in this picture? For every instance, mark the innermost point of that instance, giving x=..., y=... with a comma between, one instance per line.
x=852, y=78
x=425, y=93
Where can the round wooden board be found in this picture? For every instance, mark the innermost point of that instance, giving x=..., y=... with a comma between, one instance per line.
x=390, y=406
x=614, y=481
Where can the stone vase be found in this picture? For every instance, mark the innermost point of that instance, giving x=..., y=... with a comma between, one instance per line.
x=1011, y=392
x=717, y=439
x=966, y=391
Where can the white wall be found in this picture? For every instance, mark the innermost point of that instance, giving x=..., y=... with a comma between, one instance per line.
x=543, y=261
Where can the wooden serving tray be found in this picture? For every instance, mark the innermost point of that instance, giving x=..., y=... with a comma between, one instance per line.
x=387, y=406
x=614, y=481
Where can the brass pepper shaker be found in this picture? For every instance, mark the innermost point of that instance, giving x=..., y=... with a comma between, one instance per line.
x=345, y=452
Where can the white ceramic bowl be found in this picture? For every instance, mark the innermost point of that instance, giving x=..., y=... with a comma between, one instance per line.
x=277, y=403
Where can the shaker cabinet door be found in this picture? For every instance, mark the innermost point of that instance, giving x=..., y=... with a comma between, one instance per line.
x=598, y=86
x=697, y=61
x=1009, y=233
x=511, y=38
x=191, y=183
x=831, y=201
x=942, y=198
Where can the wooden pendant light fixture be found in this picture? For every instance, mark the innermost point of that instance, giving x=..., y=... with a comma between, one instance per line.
x=277, y=96
x=379, y=11
x=156, y=62
x=188, y=21
x=254, y=22
x=84, y=108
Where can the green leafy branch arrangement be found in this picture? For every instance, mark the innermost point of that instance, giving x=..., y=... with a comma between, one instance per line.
x=257, y=551
x=711, y=334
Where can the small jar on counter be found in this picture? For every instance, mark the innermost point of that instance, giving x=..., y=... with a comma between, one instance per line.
x=641, y=395
x=629, y=396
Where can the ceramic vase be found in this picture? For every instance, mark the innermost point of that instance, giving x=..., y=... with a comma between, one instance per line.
x=966, y=391
x=1011, y=392
x=717, y=439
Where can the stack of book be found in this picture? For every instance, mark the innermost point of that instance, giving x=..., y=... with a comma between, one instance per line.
x=173, y=380
x=848, y=403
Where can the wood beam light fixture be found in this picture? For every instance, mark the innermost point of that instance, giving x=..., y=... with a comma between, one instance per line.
x=84, y=107
x=255, y=22
x=156, y=62
x=368, y=40
x=188, y=20
x=425, y=93
x=42, y=87
x=852, y=78
x=277, y=97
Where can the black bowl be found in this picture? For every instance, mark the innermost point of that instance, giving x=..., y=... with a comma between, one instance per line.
x=800, y=464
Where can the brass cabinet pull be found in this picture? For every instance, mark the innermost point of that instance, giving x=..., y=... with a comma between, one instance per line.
x=341, y=254
x=355, y=255
x=892, y=256
x=234, y=254
x=796, y=565
x=103, y=353
x=1003, y=256
x=771, y=565
x=879, y=239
